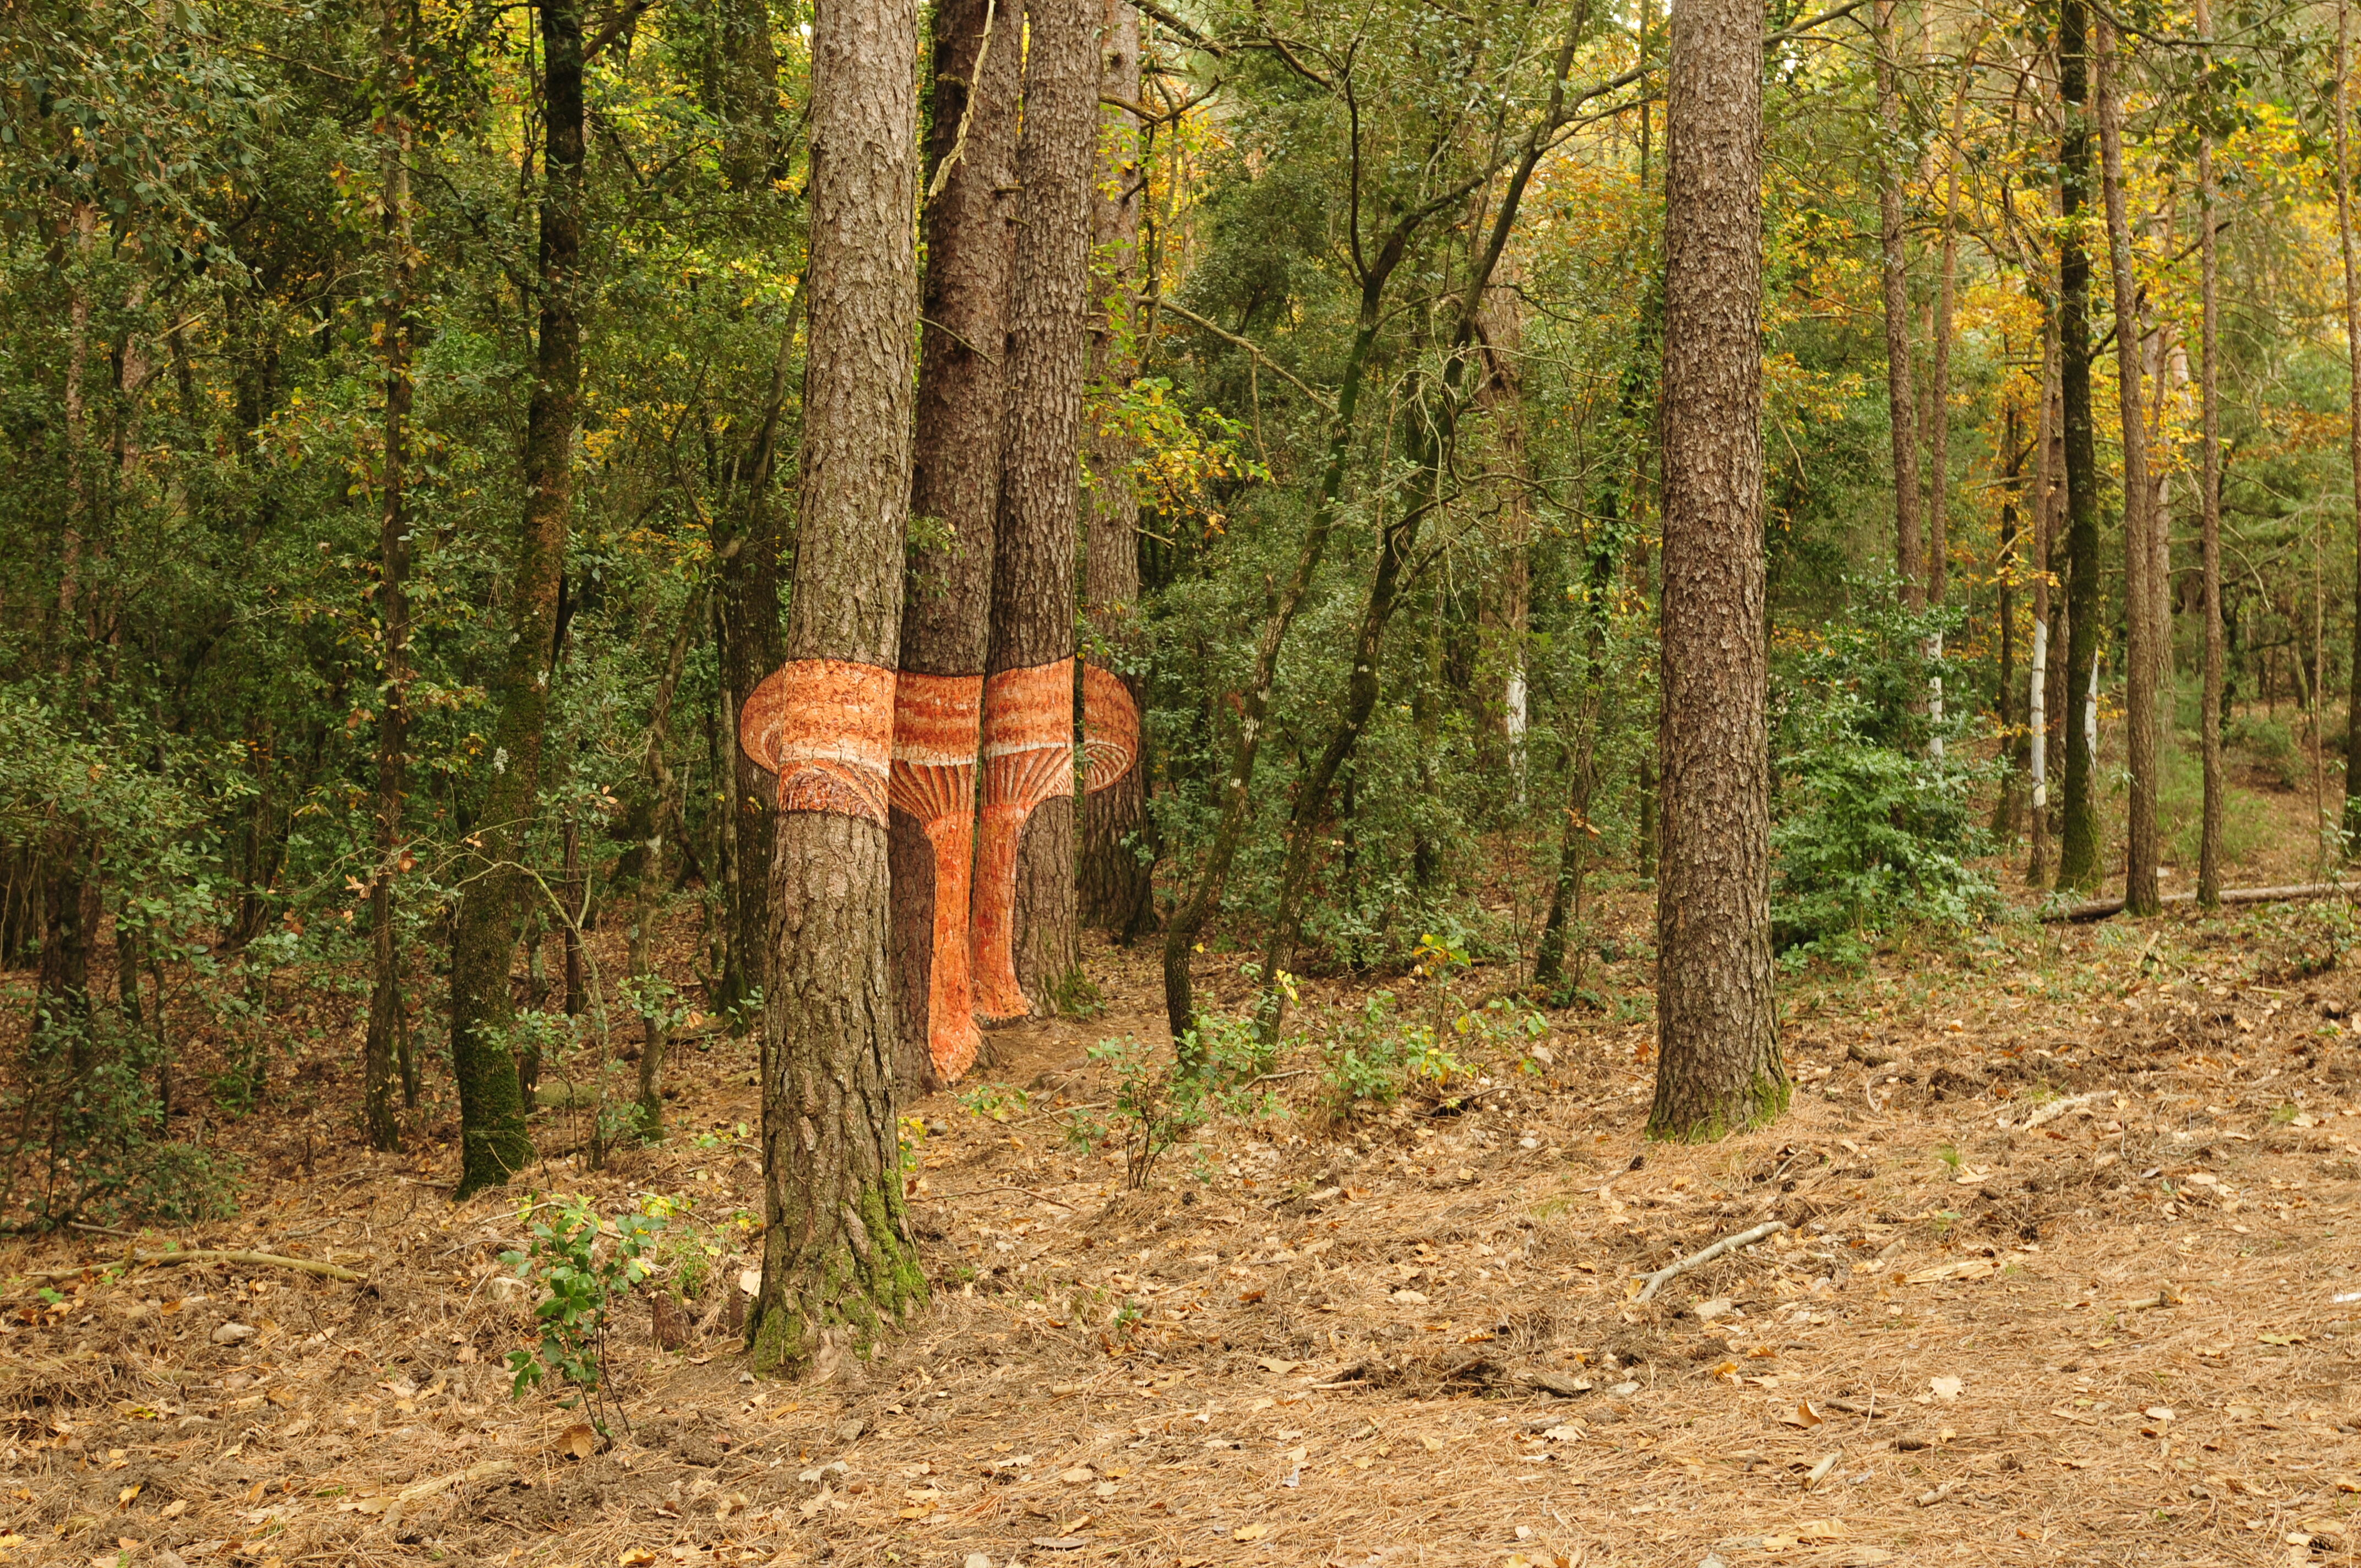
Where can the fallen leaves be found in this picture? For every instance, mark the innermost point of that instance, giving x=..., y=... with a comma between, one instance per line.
x=1958, y=1269
x=579, y=1441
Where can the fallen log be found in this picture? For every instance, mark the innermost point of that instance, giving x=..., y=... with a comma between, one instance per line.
x=207, y=1254
x=2100, y=908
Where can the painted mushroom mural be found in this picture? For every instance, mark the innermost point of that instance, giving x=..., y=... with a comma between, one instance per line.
x=861, y=741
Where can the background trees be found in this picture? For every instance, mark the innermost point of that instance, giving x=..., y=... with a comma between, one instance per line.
x=388, y=461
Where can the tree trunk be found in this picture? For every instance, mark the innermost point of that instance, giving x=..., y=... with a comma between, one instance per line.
x=750, y=93
x=1901, y=400
x=1115, y=895
x=494, y=1144
x=2352, y=814
x=2078, y=840
x=955, y=481
x=387, y=1017
x=2038, y=704
x=1025, y=940
x=2005, y=813
x=837, y=1254
x=1718, y=1063
x=2141, y=663
x=2209, y=842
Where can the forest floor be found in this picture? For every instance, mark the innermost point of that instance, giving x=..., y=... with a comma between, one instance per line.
x=2070, y=1277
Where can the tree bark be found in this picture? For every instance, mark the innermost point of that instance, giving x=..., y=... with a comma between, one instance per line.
x=837, y=1256
x=1026, y=939
x=494, y=1144
x=1717, y=1062
x=1115, y=889
x=749, y=96
x=2352, y=814
x=955, y=482
x=2209, y=841
x=2140, y=660
x=1901, y=398
x=2044, y=514
x=2078, y=840
x=389, y=1013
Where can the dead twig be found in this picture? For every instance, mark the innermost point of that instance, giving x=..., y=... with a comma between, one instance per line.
x=1651, y=1283
x=208, y=1255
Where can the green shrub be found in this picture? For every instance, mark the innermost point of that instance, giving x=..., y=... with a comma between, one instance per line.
x=90, y=1142
x=2271, y=746
x=583, y=1283
x=1871, y=831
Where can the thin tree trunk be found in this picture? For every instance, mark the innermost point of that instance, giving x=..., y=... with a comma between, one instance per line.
x=494, y=1144
x=1902, y=401
x=1938, y=407
x=750, y=93
x=2005, y=813
x=2045, y=512
x=387, y=1009
x=838, y=1256
x=2352, y=824
x=2208, y=851
x=2078, y=840
x=1115, y=888
x=1026, y=943
x=1717, y=1062
x=2140, y=660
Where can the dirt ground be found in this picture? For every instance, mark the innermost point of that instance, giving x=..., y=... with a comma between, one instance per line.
x=2070, y=1277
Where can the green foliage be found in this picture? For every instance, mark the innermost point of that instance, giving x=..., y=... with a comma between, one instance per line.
x=2270, y=747
x=87, y=1137
x=1871, y=830
x=585, y=1269
x=1159, y=1102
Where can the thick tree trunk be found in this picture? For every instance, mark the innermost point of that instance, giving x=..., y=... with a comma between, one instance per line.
x=2079, y=838
x=2141, y=663
x=2209, y=841
x=1717, y=1062
x=388, y=1013
x=2352, y=823
x=494, y=1145
x=1026, y=939
x=1113, y=887
x=837, y=1256
x=1901, y=400
x=955, y=481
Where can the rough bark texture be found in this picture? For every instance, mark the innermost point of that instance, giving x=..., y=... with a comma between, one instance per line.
x=747, y=628
x=1901, y=400
x=388, y=1017
x=1113, y=881
x=2078, y=840
x=2209, y=841
x=493, y=1141
x=2352, y=824
x=2140, y=655
x=1718, y=1063
x=1033, y=558
x=955, y=475
x=838, y=1256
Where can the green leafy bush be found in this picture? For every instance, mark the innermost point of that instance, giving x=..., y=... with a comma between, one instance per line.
x=1871, y=830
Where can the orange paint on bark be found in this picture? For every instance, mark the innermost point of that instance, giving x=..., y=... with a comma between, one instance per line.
x=937, y=731
x=825, y=728
x=1028, y=758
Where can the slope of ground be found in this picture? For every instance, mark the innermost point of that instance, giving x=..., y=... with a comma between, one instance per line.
x=2069, y=1278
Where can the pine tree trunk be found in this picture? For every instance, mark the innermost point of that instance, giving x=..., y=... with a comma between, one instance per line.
x=494, y=1145
x=1114, y=890
x=746, y=614
x=2079, y=838
x=838, y=1256
x=2209, y=842
x=955, y=482
x=1718, y=1064
x=1026, y=939
x=1901, y=398
x=386, y=1018
x=2140, y=660
x=2352, y=823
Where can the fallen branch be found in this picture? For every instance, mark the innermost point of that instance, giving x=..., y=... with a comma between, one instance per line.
x=167, y=1259
x=1650, y=1283
x=2100, y=908
x=2044, y=1115
x=979, y=1191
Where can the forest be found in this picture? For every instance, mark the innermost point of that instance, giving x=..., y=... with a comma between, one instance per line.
x=1343, y=781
